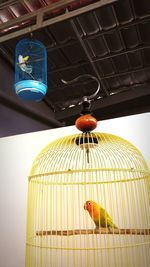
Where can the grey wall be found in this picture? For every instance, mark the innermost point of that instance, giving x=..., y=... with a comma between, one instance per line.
x=18, y=116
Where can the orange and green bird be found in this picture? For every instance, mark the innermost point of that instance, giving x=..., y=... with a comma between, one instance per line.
x=99, y=215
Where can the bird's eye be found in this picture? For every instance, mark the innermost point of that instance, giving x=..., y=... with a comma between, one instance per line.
x=89, y=203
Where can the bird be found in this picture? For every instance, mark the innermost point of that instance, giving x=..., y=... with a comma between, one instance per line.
x=99, y=215
x=22, y=64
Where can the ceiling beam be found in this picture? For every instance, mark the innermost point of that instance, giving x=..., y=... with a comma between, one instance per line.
x=134, y=94
x=130, y=107
x=101, y=33
x=104, y=77
x=99, y=59
x=126, y=95
x=126, y=25
x=128, y=72
x=8, y=3
x=34, y=14
x=88, y=56
x=108, y=76
x=39, y=18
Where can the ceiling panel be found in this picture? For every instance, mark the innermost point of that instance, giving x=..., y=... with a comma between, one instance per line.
x=111, y=42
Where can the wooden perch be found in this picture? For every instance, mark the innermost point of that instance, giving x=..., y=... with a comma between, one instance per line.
x=94, y=231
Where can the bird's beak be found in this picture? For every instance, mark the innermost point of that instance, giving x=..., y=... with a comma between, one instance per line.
x=85, y=206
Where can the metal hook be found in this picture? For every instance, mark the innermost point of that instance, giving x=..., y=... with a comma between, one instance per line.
x=85, y=76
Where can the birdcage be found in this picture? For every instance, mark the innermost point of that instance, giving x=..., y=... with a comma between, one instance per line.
x=30, y=70
x=79, y=169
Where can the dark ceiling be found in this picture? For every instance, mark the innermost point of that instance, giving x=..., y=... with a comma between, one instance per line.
x=108, y=39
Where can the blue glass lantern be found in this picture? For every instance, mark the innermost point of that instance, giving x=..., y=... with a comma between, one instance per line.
x=30, y=70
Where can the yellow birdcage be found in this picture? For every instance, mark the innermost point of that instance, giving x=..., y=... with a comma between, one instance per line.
x=68, y=172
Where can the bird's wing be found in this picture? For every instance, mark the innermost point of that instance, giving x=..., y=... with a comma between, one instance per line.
x=26, y=58
x=106, y=220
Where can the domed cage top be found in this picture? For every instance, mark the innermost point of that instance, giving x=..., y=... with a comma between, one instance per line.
x=78, y=170
x=30, y=70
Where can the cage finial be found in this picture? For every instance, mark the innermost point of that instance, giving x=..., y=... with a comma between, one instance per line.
x=86, y=122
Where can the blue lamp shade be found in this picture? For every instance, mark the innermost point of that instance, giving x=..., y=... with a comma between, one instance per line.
x=30, y=70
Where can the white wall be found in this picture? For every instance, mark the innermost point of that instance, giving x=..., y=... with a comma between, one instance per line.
x=16, y=156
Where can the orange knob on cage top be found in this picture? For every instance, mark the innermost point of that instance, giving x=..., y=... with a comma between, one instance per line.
x=86, y=123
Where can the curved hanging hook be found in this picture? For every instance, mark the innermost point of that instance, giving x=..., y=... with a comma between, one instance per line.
x=85, y=76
